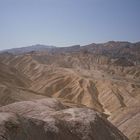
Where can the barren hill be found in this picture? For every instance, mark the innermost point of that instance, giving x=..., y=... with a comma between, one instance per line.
x=103, y=77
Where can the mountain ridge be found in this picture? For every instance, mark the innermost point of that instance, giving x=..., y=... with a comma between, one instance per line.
x=42, y=47
x=22, y=50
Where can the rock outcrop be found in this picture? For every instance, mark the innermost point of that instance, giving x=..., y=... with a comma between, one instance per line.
x=51, y=120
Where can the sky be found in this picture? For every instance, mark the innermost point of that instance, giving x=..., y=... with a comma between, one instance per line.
x=68, y=22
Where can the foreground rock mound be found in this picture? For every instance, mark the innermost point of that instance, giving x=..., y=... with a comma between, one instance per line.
x=49, y=119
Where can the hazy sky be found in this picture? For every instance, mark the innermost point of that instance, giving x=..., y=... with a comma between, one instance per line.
x=67, y=22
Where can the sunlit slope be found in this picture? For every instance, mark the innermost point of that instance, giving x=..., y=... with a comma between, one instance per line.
x=14, y=86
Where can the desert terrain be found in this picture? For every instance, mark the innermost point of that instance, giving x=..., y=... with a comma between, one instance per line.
x=89, y=92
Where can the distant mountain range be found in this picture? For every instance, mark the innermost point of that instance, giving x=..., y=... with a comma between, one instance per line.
x=112, y=49
x=22, y=50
